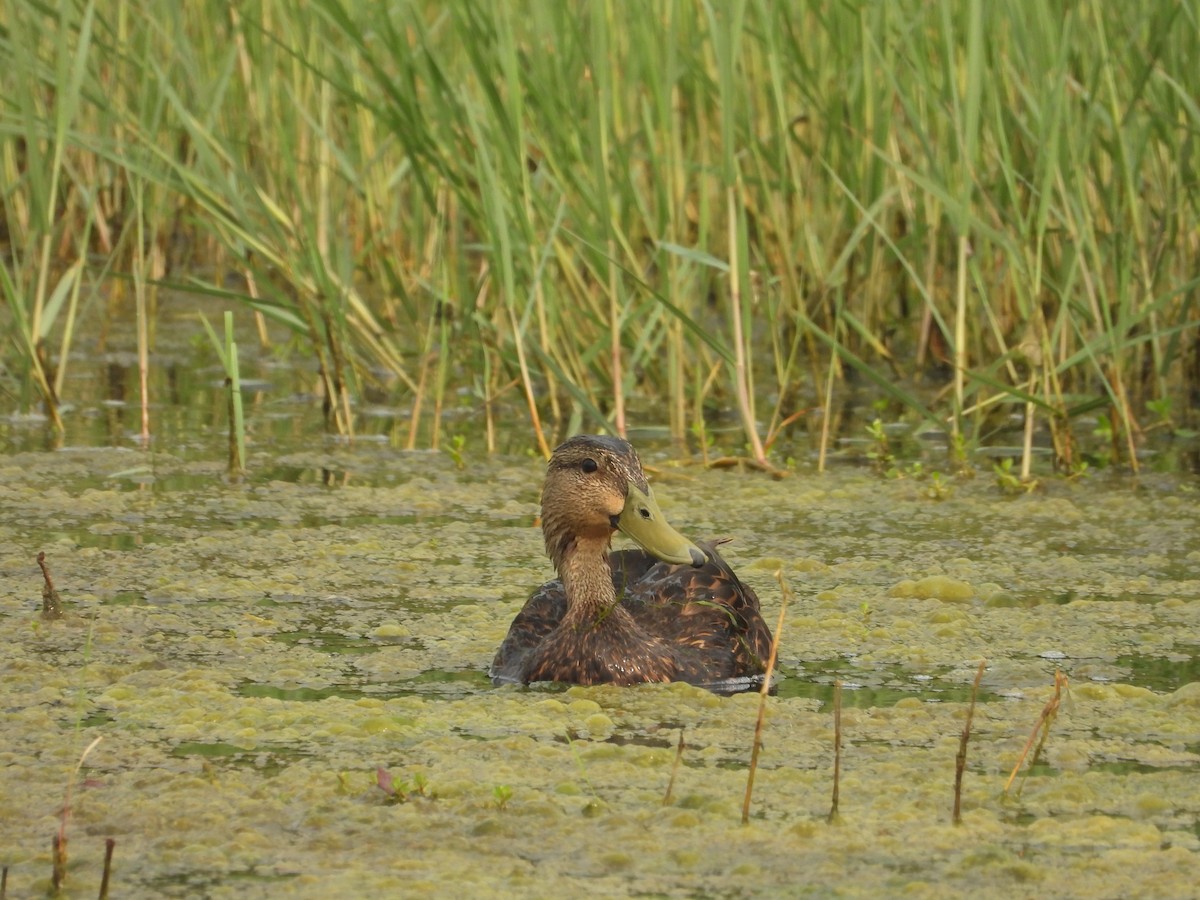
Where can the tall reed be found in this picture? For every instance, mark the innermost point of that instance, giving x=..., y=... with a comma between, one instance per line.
x=631, y=214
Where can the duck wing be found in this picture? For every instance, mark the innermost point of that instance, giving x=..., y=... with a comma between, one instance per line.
x=711, y=619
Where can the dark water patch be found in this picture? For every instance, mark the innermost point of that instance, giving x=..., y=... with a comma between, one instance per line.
x=332, y=642
x=864, y=688
x=641, y=739
x=124, y=598
x=331, y=517
x=269, y=762
x=1136, y=767
x=131, y=540
x=203, y=883
x=173, y=483
x=442, y=683
x=1160, y=673
x=298, y=694
x=1038, y=770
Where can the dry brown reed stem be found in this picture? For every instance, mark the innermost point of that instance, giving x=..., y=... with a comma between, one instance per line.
x=960, y=762
x=785, y=594
x=674, y=770
x=837, y=750
x=527, y=384
x=51, y=601
x=58, y=862
x=109, y=843
x=59, y=873
x=1045, y=720
x=4, y=883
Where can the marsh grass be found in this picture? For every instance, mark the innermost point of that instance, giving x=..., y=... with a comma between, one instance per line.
x=227, y=352
x=629, y=213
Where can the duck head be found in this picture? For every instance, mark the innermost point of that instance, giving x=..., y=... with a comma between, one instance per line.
x=595, y=486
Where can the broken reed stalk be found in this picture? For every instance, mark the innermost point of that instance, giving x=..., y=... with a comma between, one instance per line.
x=785, y=594
x=960, y=761
x=837, y=751
x=109, y=843
x=51, y=601
x=674, y=770
x=1045, y=720
x=59, y=873
x=58, y=861
x=4, y=883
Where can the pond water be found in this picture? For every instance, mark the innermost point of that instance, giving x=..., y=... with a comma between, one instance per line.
x=251, y=655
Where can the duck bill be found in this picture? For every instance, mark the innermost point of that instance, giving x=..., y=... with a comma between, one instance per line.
x=643, y=521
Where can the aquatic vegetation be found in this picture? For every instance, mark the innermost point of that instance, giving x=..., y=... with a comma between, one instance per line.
x=501, y=794
x=615, y=220
x=402, y=791
x=228, y=354
x=252, y=645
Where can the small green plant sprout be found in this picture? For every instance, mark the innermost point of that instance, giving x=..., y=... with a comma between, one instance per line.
x=501, y=794
x=1161, y=408
x=958, y=456
x=1079, y=469
x=1009, y=481
x=402, y=791
x=881, y=452
x=419, y=785
x=1107, y=435
x=456, y=450
x=937, y=488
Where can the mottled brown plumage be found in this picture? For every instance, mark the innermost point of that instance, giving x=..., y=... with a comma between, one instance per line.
x=628, y=617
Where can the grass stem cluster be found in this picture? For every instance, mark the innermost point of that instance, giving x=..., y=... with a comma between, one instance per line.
x=626, y=214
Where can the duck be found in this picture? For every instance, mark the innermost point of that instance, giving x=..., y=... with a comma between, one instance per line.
x=670, y=610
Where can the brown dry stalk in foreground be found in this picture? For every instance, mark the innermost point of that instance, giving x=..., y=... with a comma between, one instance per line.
x=109, y=843
x=960, y=762
x=51, y=602
x=762, y=702
x=674, y=770
x=837, y=750
x=1045, y=720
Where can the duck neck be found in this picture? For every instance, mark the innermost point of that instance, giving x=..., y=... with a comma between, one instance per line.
x=587, y=580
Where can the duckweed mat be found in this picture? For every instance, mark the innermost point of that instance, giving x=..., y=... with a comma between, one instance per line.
x=260, y=661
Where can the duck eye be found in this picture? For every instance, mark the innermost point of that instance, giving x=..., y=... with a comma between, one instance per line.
x=589, y=465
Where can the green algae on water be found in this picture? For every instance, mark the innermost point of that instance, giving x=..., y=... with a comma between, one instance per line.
x=254, y=654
